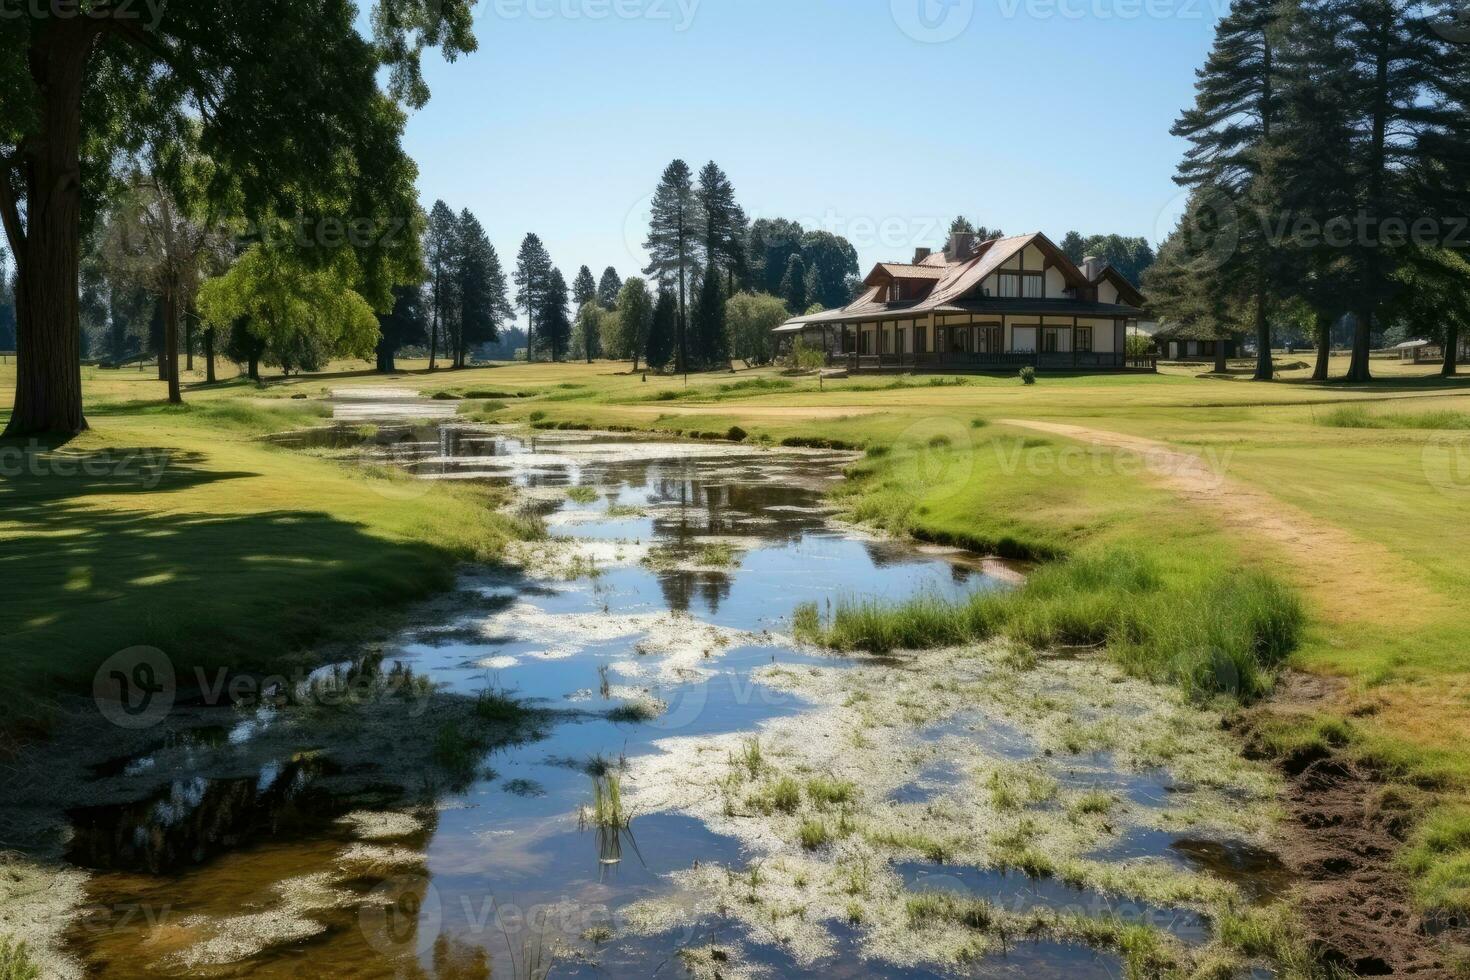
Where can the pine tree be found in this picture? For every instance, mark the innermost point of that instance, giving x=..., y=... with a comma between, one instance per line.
x=794, y=285
x=584, y=289
x=662, y=331
x=1074, y=246
x=961, y=226
x=441, y=244
x=608, y=288
x=483, y=304
x=532, y=280
x=1237, y=104
x=711, y=340
x=553, y=318
x=1409, y=90
x=725, y=227
x=769, y=246
x=673, y=241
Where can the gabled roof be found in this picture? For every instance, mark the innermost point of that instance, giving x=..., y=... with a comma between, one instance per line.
x=902, y=271
x=1127, y=292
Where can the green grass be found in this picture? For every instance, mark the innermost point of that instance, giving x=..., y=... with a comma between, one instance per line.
x=1225, y=635
x=824, y=791
x=607, y=803
x=1438, y=857
x=814, y=835
x=583, y=495
x=781, y=796
x=15, y=962
x=1358, y=417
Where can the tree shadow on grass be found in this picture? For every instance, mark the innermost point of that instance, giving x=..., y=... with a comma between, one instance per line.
x=247, y=591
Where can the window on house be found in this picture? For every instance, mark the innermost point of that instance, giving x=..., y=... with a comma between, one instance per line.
x=1010, y=285
x=1049, y=341
x=1084, y=339
x=1034, y=287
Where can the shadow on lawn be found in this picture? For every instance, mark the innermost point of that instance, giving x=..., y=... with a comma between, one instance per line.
x=248, y=591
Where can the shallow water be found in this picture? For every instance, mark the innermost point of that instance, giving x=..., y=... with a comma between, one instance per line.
x=506, y=866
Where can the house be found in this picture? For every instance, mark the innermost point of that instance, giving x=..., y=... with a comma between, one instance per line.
x=997, y=305
x=1193, y=343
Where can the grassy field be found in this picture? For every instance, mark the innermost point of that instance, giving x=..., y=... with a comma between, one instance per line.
x=1368, y=481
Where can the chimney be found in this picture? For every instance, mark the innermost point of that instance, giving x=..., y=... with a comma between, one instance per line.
x=961, y=246
x=920, y=254
x=1092, y=267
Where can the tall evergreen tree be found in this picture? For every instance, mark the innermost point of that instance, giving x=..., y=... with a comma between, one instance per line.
x=608, y=288
x=673, y=241
x=635, y=318
x=961, y=226
x=711, y=339
x=1236, y=110
x=1409, y=91
x=441, y=254
x=1075, y=247
x=533, y=282
x=793, y=285
x=663, y=329
x=584, y=289
x=554, y=319
x=483, y=302
x=408, y=323
x=725, y=227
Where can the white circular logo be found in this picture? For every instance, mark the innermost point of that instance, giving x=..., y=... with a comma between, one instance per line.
x=1208, y=224
x=402, y=913
x=933, y=21
x=635, y=230
x=134, y=688
x=1445, y=461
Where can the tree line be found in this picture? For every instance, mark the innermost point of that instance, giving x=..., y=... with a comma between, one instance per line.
x=1328, y=179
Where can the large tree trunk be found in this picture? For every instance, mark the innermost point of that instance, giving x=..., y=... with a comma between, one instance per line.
x=171, y=346
x=253, y=368
x=48, y=384
x=1222, y=361
x=1323, y=370
x=385, y=357
x=1360, y=368
x=189, y=340
x=1451, y=350
x=1265, y=368
x=209, y=377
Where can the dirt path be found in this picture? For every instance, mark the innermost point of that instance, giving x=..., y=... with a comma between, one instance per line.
x=1326, y=561
x=1345, y=829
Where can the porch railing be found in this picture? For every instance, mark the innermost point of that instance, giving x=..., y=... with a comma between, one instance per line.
x=1009, y=361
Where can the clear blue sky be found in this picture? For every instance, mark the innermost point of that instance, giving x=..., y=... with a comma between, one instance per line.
x=847, y=114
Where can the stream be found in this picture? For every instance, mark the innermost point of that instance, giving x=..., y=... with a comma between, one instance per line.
x=264, y=841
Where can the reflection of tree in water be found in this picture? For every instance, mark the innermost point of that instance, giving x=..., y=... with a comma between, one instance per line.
x=679, y=589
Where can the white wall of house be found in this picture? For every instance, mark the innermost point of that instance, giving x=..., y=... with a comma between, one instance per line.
x=1056, y=283
x=1107, y=292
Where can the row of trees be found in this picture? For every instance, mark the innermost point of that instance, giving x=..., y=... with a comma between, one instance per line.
x=83, y=92
x=1328, y=178
x=704, y=253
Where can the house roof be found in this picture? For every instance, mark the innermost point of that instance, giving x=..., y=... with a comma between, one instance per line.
x=1192, y=331
x=1126, y=290
x=954, y=281
x=1046, y=307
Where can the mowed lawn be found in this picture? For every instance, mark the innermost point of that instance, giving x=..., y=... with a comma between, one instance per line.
x=249, y=554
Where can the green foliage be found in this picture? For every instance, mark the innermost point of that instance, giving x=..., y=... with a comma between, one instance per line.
x=587, y=331
x=709, y=341
x=303, y=316
x=634, y=320
x=824, y=791
x=608, y=288
x=794, y=284
x=750, y=318
x=533, y=286
x=814, y=834
x=554, y=325
x=663, y=330
x=805, y=357
x=1028, y=375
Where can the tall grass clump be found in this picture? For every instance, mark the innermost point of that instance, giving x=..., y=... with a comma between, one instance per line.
x=15, y=961
x=1358, y=417
x=1211, y=633
x=1438, y=857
